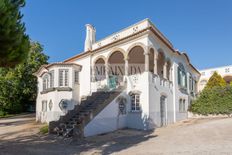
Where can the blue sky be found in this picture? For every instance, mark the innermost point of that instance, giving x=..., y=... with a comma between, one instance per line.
x=202, y=28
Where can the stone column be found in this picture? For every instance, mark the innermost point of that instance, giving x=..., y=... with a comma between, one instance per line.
x=155, y=63
x=165, y=69
x=93, y=73
x=146, y=53
x=126, y=66
x=170, y=74
x=107, y=71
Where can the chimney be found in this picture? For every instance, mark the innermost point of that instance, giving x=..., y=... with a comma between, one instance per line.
x=90, y=37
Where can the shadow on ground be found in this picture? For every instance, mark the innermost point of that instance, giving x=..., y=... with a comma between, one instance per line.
x=50, y=145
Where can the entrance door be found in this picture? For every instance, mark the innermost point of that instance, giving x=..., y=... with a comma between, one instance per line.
x=163, y=111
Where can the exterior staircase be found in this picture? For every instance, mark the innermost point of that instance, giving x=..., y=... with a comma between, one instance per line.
x=73, y=123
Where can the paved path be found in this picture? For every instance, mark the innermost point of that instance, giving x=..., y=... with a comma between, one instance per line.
x=19, y=135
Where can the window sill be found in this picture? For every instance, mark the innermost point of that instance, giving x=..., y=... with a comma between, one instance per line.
x=64, y=89
x=48, y=90
x=57, y=88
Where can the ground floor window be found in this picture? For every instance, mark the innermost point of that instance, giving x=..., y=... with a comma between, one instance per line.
x=44, y=106
x=135, y=102
x=182, y=105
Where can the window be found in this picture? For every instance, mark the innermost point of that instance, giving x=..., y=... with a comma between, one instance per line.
x=182, y=78
x=184, y=109
x=135, y=102
x=45, y=82
x=76, y=77
x=44, y=106
x=190, y=83
x=51, y=79
x=182, y=106
x=227, y=70
x=63, y=77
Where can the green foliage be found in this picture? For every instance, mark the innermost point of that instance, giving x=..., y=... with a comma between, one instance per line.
x=44, y=129
x=215, y=80
x=18, y=86
x=217, y=100
x=14, y=43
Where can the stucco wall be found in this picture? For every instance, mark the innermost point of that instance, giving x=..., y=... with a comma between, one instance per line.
x=106, y=121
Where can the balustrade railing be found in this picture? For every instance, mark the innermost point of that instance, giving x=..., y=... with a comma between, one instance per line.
x=157, y=80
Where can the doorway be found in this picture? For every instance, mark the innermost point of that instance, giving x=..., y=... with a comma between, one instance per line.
x=163, y=111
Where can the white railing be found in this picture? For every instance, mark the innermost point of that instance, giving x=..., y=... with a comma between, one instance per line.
x=157, y=80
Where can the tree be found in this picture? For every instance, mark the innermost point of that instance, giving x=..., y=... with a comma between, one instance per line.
x=14, y=43
x=18, y=86
x=215, y=80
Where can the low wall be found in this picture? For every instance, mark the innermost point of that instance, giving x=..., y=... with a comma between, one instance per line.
x=192, y=115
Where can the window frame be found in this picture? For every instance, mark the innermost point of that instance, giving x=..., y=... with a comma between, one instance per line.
x=76, y=77
x=135, y=102
x=46, y=82
x=182, y=76
x=182, y=105
x=44, y=106
x=63, y=78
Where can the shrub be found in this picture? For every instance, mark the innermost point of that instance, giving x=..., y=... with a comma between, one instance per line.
x=217, y=100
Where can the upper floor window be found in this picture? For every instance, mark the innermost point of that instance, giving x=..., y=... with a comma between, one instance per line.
x=63, y=77
x=227, y=70
x=51, y=78
x=190, y=83
x=182, y=78
x=46, y=82
x=135, y=102
x=76, y=77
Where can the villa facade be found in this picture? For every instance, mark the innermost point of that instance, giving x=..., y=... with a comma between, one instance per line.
x=155, y=83
x=225, y=72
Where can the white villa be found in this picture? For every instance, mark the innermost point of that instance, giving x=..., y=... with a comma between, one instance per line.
x=133, y=78
x=225, y=72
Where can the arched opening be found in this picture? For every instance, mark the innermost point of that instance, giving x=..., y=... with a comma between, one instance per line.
x=161, y=61
x=116, y=68
x=169, y=77
x=99, y=69
x=228, y=79
x=136, y=62
x=151, y=60
x=163, y=110
x=182, y=77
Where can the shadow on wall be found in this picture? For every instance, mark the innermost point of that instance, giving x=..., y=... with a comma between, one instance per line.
x=135, y=120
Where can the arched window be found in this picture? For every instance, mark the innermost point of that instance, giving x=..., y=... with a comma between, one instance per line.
x=45, y=82
x=182, y=77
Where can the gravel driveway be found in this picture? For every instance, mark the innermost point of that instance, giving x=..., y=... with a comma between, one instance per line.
x=19, y=136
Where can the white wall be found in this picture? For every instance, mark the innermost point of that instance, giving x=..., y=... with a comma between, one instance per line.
x=106, y=121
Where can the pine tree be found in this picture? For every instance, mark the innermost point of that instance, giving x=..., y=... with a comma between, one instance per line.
x=14, y=43
x=215, y=81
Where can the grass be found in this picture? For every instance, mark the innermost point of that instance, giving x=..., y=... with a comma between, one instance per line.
x=44, y=129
